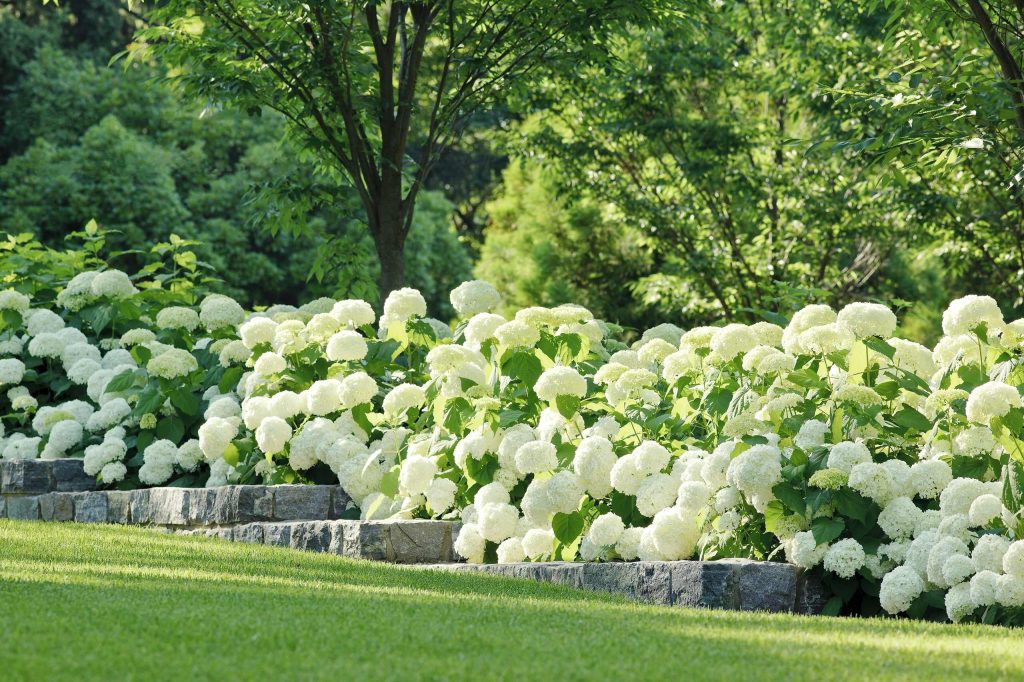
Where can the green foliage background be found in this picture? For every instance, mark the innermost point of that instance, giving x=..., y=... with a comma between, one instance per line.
x=746, y=160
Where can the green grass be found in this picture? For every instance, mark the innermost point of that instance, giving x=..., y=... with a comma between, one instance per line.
x=101, y=602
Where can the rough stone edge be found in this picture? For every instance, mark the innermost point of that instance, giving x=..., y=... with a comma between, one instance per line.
x=736, y=584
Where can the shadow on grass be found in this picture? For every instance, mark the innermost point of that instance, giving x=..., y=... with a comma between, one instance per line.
x=77, y=600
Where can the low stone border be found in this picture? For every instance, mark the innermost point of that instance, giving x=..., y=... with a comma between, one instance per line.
x=177, y=508
x=738, y=584
x=399, y=542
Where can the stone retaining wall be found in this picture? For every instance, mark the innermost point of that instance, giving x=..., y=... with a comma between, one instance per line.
x=738, y=584
x=319, y=518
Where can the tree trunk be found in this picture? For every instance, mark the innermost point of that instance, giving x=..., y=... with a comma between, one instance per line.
x=390, y=245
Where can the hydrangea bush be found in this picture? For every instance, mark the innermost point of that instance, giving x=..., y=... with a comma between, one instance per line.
x=100, y=365
x=891, y=469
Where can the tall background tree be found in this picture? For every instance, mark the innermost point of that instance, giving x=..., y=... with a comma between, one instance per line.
x=360, y=81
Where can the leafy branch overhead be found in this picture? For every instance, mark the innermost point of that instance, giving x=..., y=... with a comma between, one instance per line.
x=362, y=81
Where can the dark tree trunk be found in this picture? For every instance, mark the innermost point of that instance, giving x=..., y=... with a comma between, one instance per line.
x=389, y=240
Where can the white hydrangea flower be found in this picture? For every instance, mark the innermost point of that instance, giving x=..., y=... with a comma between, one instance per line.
x=346, y=345
x=535, y=457
x=516, y=334
x=732, y=340
x=497, y=521
x=965, y=314
x=356, y=389
x=675, y=535
x=900, y=587
x=474, y=297
x=272, y=435
x=402, y=304
x=558, y=381
x=172, y=364
x=538, y=543
x=158, y=462
x=112, y=284
x=994, y=399
x=844, y=558
x=177, y=317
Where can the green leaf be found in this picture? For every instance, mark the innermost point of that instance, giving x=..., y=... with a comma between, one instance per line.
x=851, y=505
x=718, y=400
x=567, y=405
x=389, y=482
x=827, y=529
x=773, y=513
x=229, y=380
x=186, y=401
x=170, y=428
x=911, y=419
x=792, y=498
x=149, y=400
x=832, y=607
x=808, y=378
x=523, y=366
x=567, y=527
x=121, y=382
x=879, y=346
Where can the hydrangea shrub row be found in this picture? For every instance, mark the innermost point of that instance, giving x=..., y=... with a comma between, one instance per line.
x=892, y=469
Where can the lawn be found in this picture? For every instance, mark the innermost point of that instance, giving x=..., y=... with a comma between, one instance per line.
x=87, y=602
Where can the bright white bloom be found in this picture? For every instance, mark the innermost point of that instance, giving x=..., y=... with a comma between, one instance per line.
x=844, y=558
x=470, y=544
x=913, y=357
x=356, y=389
x=732, y=340
x=558, y=381
x=323, y=397
x=177, y=317
x=517, y=334
x=158, y=465
x=899, y=518
x=440, y=495
x=257, y=330
x=990, y=400
x=216, y=434
x=846, y=455
x=172, y=364
x=675, y=535
x=930, y=477
x=538, y=543
x=272, y=434
x=868, y=319
x=873, y=481
x=656, y=493
x=900, y=587
x=606, y=530
x=965, y=314
x=112, y=284
x=416, y=474
x=477, y=296
x=217, y=311
x=497, y=521
x=268, y=364
x=989, y=552
x=984, y=509
x=353, y=313
x=756, y=470
x=42, y=321
x=346, y=345
x=403, y=397
x=804, y=551
x=11, y=371
x=401, y=304
x=535, y=457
